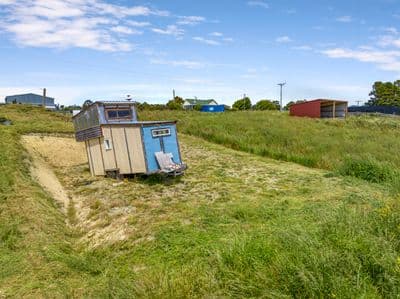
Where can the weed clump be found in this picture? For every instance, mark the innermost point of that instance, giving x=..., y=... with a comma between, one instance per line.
x=368, y=169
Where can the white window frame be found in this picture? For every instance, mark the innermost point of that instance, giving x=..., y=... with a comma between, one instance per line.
x=161, y=132
x=107, y=144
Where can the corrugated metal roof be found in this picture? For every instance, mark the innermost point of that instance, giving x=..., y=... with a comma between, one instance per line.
x=29, y=94
x=128, y=103
x=320, y=100
x=116, y=102
x=200, y=102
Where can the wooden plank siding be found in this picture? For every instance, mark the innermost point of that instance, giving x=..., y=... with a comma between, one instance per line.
x=134, y=141
x=96, y=156
x=126, y=153
x=110, y=162
x=89, y=156
x=120, y=149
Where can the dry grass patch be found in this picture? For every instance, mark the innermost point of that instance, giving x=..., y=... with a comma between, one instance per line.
x=109, y=211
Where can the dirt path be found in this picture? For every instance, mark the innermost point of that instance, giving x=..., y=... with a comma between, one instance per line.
x=61, y=153
x=45, y=176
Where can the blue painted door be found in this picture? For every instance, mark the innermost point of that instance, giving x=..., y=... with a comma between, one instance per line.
x=166, y=143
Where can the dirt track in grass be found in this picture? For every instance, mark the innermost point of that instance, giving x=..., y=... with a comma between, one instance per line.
x=42, y=172
x=52, y=154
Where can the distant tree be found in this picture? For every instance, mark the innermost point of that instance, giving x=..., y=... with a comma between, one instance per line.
x=70, y=108
x=287, y=107
x=385, y=94
x=143, y=106
x=175, y=104
x=266, y=105
x=87, y=103
x=242, y=104
x=150, y=107
x=197, y=107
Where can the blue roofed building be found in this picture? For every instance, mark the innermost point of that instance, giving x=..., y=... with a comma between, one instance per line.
x=30, y=99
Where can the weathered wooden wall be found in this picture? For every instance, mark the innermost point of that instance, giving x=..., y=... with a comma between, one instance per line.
x=126, y=153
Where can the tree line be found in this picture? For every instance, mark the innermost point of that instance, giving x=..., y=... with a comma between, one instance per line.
x=245, y=104
x=385, y=94
x=382, y=94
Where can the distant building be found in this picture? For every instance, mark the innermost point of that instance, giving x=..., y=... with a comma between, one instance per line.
x=30, y=99
x=189, y=104
x=321, y=108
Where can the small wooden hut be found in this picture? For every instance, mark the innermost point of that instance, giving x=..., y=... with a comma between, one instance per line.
x=118, y=144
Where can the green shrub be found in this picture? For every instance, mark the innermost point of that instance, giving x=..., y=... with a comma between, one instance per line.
x=368, y=169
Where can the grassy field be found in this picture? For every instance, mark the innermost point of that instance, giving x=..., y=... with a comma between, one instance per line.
x=236, y=225
x=365, y=147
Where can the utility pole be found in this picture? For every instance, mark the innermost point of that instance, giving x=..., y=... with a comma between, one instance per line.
x=358, y=102
x=173, y=94
x=281, y=104
x=44, y=98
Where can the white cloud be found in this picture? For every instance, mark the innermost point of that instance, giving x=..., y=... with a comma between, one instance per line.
x=219, y=36
x=216, y=34
x=389, y=40
x=283, y=39
x=345, y=19
x=190, y=64
x=120, y=11
x=303, y=48
x=137, y=24
x=206, y=41
x=170, y=30
x=386, y=60
x=258, y=3
x=125, y=30
x=250, y=73
x=92, y=24
x=190, y=20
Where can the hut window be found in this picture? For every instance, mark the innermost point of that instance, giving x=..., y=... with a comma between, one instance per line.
x=119, y=114
x=107, y=145
x=161, y=132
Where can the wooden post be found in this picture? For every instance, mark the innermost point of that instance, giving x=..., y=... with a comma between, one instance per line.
x=44, y=98
x=333, y=111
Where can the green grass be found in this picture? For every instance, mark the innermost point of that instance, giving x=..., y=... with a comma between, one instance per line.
x=336, y=145
x=29, y=219
x=236, y=225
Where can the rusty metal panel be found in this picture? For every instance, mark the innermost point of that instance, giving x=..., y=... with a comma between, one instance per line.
x=90, y=133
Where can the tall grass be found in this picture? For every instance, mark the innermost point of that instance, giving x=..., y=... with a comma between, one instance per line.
x=337, y=145
x=305, y=236
x=29, y=219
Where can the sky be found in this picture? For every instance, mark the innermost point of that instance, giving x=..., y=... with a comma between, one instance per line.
x=221, y=49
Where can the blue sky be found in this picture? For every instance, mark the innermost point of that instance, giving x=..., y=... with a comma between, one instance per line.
x=97, y=49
